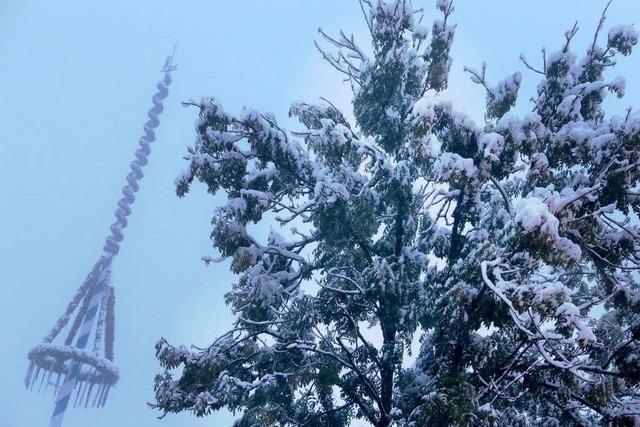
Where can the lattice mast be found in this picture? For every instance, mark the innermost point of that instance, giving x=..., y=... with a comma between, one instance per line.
x=73, y=366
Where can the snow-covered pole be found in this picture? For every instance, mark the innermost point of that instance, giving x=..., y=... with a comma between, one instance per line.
x=64, y=394
x=112, y=244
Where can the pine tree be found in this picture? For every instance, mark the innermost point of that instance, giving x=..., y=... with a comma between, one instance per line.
x=510, y=249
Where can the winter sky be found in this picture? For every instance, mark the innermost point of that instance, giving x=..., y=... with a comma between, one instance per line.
x=76, y=78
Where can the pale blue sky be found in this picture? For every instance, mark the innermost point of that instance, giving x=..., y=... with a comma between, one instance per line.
x=75, y=83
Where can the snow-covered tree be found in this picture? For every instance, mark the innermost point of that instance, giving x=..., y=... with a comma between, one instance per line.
x=509, y=249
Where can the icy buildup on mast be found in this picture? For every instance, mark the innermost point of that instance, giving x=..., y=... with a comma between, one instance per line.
x=70, y=365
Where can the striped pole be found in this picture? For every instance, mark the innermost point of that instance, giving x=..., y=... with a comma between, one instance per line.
x=64, y=394
x=112, y=244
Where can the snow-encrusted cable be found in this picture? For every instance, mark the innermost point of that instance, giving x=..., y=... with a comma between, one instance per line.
x=73, y=305
x=109, y=333
x=112, y=244
x=111, y=248
x=102, y=315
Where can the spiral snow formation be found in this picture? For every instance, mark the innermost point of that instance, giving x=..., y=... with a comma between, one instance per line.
x=90, y=374
x=112, y=244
